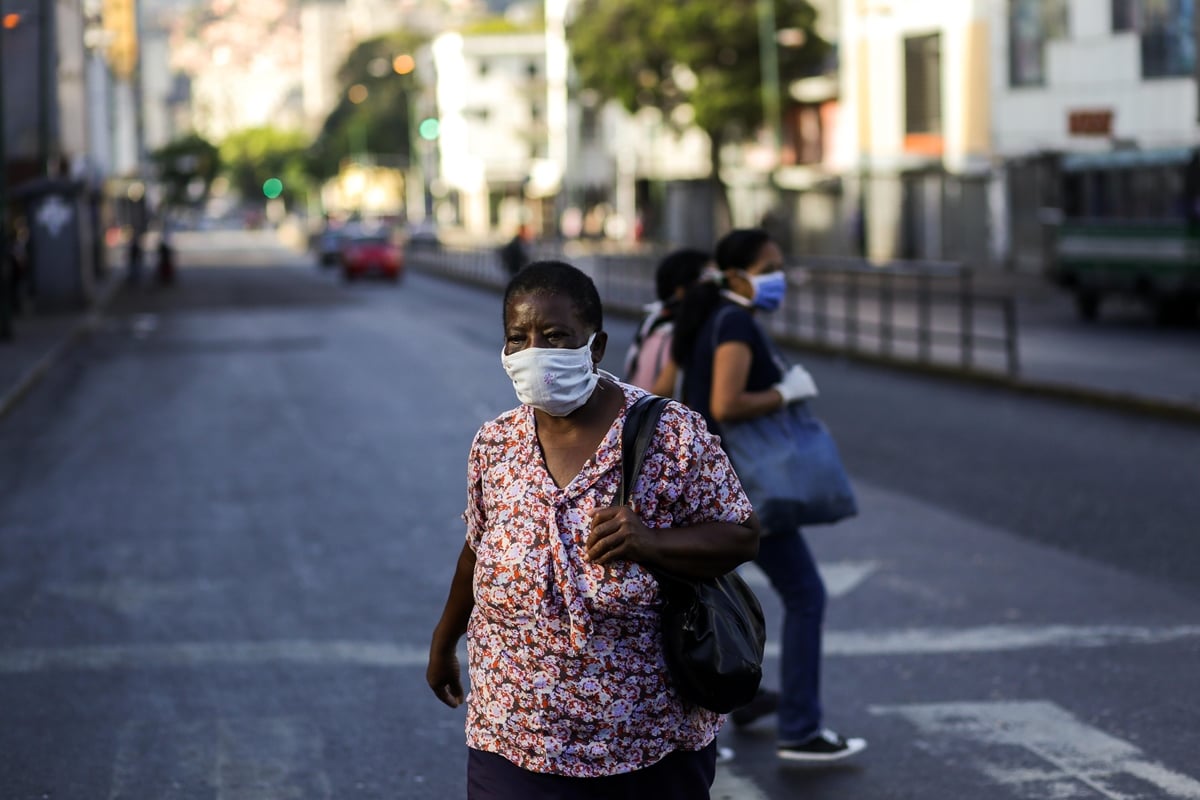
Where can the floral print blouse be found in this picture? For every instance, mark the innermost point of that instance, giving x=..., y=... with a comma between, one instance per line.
x=565, y=657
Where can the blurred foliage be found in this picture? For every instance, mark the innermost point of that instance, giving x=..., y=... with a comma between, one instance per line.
x=379, y=125
x=187, y=162
x=532, y=21
x=640, y=53
x=252, y=156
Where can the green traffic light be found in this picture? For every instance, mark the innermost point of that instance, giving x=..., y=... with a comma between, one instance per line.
x=429, y=129
x=272, y=188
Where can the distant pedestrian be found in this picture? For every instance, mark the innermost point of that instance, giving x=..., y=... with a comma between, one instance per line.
x=570, y=695
x=166, y=260
x=731, y=373
x=515, y=255
x=136, y=259
x=649, y=356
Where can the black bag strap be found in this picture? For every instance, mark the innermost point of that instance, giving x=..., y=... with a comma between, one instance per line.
x=640, y=422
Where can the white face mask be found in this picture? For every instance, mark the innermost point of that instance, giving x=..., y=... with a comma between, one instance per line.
x=553, y=379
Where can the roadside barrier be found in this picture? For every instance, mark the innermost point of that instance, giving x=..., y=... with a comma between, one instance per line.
x=925, y=313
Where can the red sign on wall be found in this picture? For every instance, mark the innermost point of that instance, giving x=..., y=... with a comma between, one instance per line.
x=1096, y=122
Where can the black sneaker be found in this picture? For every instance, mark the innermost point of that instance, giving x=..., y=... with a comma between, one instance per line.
x=765, y=702
x=821, y=747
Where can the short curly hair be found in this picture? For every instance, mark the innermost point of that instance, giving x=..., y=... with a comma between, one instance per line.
x=561, y=278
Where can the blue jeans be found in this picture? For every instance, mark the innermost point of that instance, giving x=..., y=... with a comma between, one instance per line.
x=788, y=563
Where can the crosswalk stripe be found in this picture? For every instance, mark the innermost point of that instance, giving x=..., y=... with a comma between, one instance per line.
x=229, y=759
x=840, y=577
x=729, y=785
x=913, y=641
x=1062, y=750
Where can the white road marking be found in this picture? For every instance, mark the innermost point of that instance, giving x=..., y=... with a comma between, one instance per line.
x=229, y=759
x=274, y=758
x=202, y=654
x=1071, y=759
x=729, y=785
x=916, y=641
x=166, y=762
x=993, y=638
x=132, y=597
x=840, y=577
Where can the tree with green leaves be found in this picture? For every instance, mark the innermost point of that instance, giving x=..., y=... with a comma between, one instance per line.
x=187, y=167
x=255, y=155
x=703, y=53
x=377, y=82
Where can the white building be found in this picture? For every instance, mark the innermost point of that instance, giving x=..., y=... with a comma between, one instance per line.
x=325, y=42
x=157, y=84
x=493, y=142
x=1072, y=76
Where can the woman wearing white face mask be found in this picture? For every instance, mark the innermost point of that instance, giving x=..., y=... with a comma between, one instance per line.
x=732, y=371
x=569, y=693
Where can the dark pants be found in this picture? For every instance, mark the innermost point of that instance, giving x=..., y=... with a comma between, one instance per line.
x=789, y=565
x=682, y=775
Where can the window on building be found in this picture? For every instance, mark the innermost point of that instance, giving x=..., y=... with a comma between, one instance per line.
x=1168, y=42
x=1032, y=23
x=923, y=84
x=1125, y=15
x=589, y=119
x=804, y=135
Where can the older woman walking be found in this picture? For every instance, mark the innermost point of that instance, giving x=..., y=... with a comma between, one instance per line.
x=570, y=696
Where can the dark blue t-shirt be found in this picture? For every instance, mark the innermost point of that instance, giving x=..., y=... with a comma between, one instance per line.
x=729, y=323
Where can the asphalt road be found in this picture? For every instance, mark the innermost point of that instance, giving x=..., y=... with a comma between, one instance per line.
x=229, y=518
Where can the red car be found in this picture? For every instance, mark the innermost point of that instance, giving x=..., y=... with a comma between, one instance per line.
x=364, y=256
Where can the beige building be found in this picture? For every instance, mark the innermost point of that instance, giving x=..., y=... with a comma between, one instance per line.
x=915, y=128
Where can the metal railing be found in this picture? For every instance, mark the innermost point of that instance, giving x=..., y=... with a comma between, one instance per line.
x=927, y=313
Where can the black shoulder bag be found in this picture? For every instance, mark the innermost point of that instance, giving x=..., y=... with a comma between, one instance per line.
x=712, y=628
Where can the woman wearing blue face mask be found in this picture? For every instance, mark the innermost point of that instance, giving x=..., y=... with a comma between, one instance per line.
x=570, y=696
x=732, y=371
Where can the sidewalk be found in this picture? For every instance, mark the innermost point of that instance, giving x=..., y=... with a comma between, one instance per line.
x=39, y=340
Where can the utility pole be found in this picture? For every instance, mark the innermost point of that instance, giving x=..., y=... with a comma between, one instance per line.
x=768, y=56
x=45, y=49
x=5, y=264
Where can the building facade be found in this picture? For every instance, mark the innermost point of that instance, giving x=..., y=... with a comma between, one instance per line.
x=493, y=137
x=915, y=133
x=1081, y=76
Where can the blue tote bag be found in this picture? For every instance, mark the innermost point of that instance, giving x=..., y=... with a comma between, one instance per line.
x=790, y=468
x=788, y=463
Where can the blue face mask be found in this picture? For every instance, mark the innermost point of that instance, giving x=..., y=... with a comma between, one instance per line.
x=769, y=290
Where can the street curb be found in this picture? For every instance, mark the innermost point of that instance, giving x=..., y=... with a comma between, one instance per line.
x=1080, y=395
x=86, y=322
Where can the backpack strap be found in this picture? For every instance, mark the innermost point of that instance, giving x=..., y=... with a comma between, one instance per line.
x=640, y=422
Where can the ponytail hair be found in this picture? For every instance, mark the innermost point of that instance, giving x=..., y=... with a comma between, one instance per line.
x=699, y=303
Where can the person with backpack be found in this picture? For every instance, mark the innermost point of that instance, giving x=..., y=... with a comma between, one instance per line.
x=649, y=356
